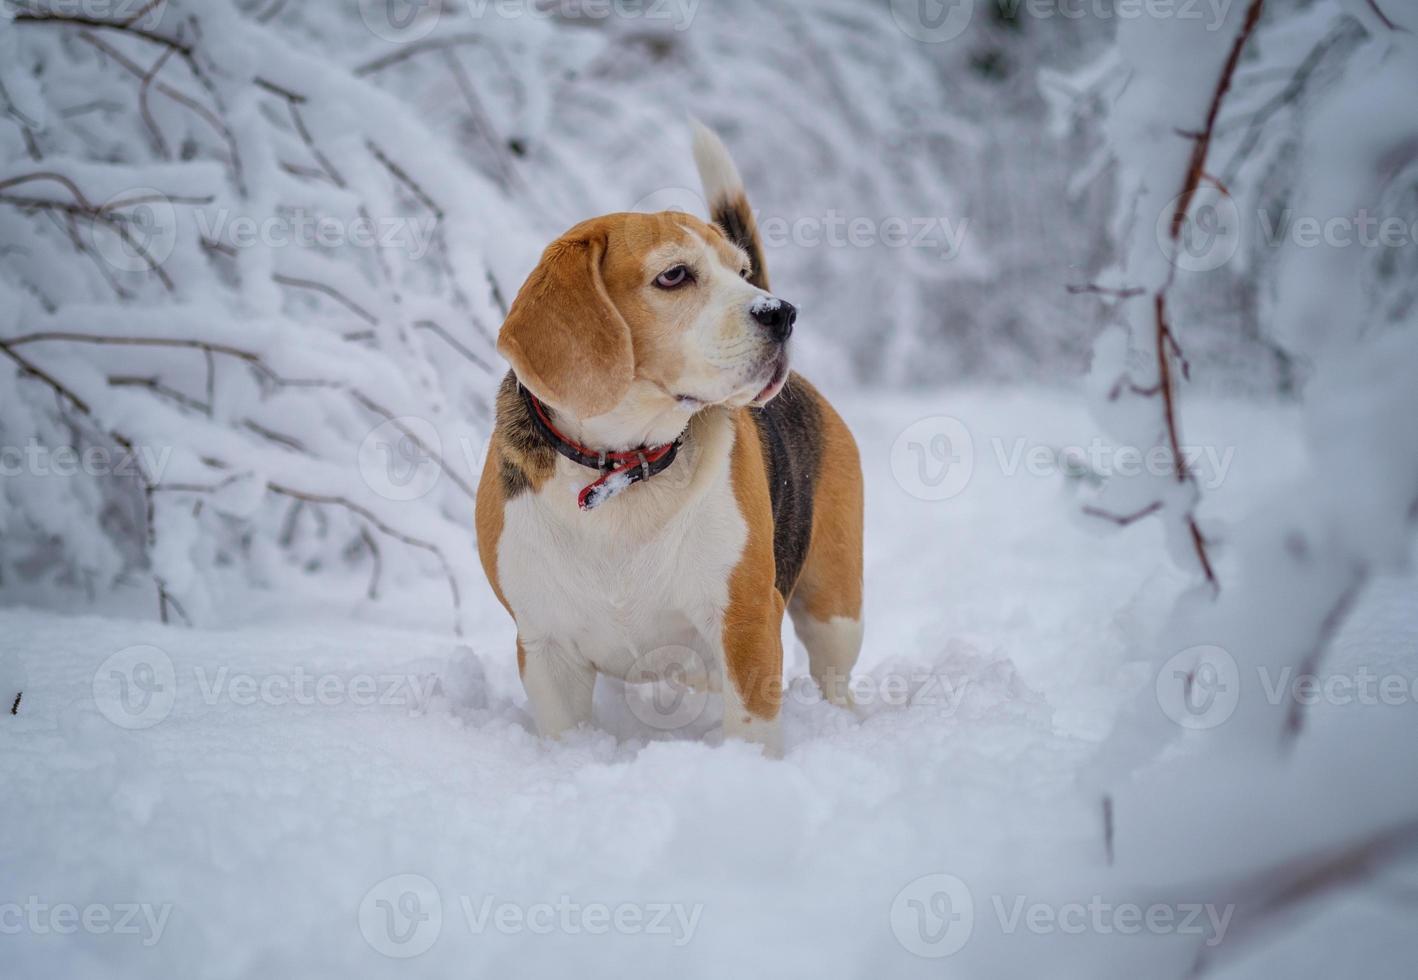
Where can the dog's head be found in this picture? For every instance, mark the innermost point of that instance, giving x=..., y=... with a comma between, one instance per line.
x=642, y=317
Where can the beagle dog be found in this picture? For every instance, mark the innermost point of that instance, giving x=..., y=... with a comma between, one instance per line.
x=659, y=487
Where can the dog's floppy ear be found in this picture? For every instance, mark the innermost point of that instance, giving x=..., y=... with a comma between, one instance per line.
x=564, y=337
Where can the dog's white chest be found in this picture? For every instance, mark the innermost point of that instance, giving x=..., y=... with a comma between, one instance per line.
x=642, y=572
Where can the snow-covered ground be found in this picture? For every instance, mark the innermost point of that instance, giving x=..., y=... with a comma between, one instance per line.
x=314, y=795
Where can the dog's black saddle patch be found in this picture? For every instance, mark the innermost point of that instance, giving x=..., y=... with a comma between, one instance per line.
x=790, y=428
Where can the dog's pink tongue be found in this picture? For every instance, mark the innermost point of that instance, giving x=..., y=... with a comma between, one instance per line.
x=775, y=384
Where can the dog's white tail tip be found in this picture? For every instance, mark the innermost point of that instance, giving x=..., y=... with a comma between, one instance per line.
x=716, y=168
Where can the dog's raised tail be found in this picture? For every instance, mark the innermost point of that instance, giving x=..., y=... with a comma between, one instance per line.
x=728, y=203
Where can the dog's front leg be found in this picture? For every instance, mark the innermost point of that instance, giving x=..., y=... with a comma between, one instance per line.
x=559, y=685
x=753, y=670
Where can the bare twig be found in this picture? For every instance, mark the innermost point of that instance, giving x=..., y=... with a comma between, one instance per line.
x=417, y=48
x=1096, y=290
x=1202, y=143
x=329, y=291
x=372, y=591
x=256, y=362
x=1164, y=340
x=1384, y=18
x=1280, y=889
x=145, y=109
x=1108, y=828
x=184, y=49
x=453, y=342
x=1123, y=520
x=1329, y=626
x=373, y=519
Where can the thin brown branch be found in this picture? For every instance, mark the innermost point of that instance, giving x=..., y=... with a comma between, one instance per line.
x=142, y=12
x=438, y=242
x=330, y=291
x=481, y=122
x=105, y=214
x=146, y=110
x=158, y=388
x=1202, y=555
x=127, y=27
x=1202, y=142
x=1128, y=385
x=303, y=131
x=402, y=176
x=280, y=439
x=372, y=592
x=385, y=529
x=184, y=49
x=1164, y=384
x=253, y=359
x=1094, y=289
x=415, y=49
x=1123, y=520
x=1384, y=18
x=1329, y=626
x=453, y=342
x=1108, y=828
x=1272, y=893
x=176, y=95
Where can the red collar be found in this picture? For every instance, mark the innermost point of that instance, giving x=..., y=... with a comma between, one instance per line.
x=618, y=470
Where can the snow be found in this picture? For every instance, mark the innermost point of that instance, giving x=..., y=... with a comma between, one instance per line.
x=1062, y=731
x=296, y=784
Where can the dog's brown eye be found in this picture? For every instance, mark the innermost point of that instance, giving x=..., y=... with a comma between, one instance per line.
x=743, y=273
x=674, y=278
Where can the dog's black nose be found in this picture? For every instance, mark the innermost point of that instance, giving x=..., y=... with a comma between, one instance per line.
x=777, y=315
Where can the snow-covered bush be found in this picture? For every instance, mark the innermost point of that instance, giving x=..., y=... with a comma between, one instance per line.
x=247, y=316
x=1220, y=139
